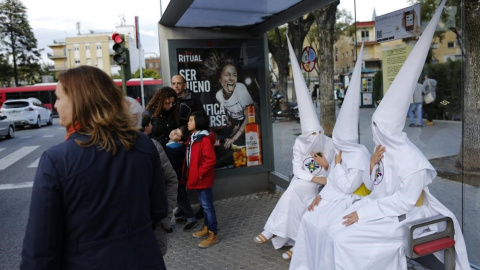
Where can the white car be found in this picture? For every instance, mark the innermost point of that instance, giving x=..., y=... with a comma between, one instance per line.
x=7, y=128
x=26, y=112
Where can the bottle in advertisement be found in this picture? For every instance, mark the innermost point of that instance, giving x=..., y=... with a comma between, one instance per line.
x=252, y=139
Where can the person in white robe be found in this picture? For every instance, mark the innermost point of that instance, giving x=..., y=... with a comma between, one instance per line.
x=371, y=234
x=312, y=153
x=344, y=182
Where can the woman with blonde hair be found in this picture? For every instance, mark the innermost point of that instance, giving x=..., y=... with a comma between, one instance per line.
x=91, y=207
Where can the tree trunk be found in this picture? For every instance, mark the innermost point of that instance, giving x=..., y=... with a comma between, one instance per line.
x=325, y=19
x=471, y=128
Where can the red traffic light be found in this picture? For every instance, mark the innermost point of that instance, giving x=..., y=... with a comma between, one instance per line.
x=117, y=38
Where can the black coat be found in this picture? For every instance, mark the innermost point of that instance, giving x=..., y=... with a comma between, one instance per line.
x=162, y=126
x=92, y=210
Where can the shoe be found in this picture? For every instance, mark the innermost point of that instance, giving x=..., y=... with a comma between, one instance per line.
x=419, y=126
x=199, y=214
x=429, y=123
x=211, y=239
x=181, y=219
x=189, y=226
x=411, y=125
x=261, y=239
x=203, y=232
x=287, y=255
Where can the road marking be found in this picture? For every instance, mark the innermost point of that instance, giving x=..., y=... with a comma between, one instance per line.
x=47, y=136
x=15, y=156
x=25, y=137
x=1, y=149
x=15, y=186
x=34, y=164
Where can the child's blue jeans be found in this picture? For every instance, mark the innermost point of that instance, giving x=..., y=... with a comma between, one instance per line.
x=205, y=196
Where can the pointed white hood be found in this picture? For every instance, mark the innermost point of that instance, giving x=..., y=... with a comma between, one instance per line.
x=345, y=132
x=308, y=117
x=402, y=157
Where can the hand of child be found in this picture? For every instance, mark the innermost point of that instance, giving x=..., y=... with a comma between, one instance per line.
x=350, y=219
x=314, y=203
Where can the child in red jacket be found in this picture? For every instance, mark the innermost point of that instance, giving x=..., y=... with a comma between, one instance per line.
x=199, y=172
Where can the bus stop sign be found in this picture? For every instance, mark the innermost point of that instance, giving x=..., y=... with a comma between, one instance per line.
x=309, y=58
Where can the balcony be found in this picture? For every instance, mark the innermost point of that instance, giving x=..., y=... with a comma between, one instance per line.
x=56, y=55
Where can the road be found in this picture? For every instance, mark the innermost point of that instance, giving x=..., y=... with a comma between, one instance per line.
x=18, y=162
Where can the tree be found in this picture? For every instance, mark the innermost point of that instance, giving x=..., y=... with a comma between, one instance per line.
x=147, y=73
x=18, y=40
x=471, y=95
x=277, y=45
x=325, y=21
x=6, y=72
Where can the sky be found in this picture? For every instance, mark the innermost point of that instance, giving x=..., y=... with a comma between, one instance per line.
x=56, y=19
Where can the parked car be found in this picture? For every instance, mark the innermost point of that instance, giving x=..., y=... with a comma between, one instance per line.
x=7, y=128
x=26, y=112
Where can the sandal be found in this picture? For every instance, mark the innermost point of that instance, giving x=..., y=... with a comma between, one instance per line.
x=261, y=239
x=287, y=255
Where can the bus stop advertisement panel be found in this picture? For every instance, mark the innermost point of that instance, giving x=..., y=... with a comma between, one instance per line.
x=229, y=78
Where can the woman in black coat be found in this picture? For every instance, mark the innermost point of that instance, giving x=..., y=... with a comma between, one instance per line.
x=162, y=108
x=98, y=195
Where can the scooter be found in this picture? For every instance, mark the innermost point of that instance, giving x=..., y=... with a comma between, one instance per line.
x=281, y=108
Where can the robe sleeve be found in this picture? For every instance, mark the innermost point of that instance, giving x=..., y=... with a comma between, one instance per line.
x=43, y=242
x=346, y=181
x=298, y=165
x=400, y=202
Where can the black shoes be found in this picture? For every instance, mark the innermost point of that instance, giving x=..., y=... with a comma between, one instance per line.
x=189, y=226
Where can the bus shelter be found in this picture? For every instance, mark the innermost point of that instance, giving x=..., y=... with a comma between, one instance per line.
x=201, y=39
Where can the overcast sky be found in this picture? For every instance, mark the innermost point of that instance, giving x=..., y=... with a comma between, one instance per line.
x=56, y=19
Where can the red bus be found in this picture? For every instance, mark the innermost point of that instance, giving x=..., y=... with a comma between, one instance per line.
x=45, y=91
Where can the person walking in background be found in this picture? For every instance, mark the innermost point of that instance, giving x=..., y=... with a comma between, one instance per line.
x=176, y=154
x=429, y=87
x=416, y=106
x=162, y=109
x=198, y=170
x=171, y=184
x=89, y=196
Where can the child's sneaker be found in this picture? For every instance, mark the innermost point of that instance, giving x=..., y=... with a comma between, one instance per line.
x=211, y=239
x=203, y=232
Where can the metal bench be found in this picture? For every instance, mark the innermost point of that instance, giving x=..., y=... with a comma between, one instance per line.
x=421, y=249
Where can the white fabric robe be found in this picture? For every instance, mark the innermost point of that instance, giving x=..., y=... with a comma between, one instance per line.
x=377, y=240
x=285, y=218
x=337, y=195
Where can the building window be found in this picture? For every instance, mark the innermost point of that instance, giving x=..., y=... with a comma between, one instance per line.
x=451, y=44
x=87, y=47
x=435, y=46
x=75, y=48
x=99, y=47
x=77, y=61
x=365, y=35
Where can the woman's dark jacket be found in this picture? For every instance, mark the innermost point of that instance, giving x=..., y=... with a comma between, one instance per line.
x=93, y=210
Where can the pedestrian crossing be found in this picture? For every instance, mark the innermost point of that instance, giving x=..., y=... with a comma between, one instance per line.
x=16, y=156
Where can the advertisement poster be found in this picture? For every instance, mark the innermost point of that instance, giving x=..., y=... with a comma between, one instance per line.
x=226, y=81
x=392, y=63
x=399, y=24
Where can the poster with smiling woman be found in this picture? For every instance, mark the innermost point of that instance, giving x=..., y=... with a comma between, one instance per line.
x=225, y=80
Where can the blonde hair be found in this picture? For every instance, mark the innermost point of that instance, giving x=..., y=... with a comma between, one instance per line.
x=98, y=109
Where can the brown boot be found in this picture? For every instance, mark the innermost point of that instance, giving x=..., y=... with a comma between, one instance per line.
x=429, y=123
x=211, y=239
x=203, y=232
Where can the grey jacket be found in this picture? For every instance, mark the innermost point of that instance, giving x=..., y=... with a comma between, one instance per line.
x=430, y=85
x=417, y=95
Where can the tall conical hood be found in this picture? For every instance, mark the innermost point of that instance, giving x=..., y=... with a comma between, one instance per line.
x=346, y=127
x=394, y=106
x=402, y=157
x=308, y=117
x=345, y=132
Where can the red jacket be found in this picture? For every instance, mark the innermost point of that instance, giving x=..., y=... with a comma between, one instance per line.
x=200, y=173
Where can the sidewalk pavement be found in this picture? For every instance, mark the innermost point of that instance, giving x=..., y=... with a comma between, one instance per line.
x=240, y=219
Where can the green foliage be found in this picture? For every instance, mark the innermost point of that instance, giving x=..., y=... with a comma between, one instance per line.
x=18, y=41
x=449, y=88
x=6, y=71
x=147, y=73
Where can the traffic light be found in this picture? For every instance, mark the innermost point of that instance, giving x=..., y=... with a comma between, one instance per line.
x=121, y=55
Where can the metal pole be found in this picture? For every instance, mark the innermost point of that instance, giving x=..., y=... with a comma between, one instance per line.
x=140, y=57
